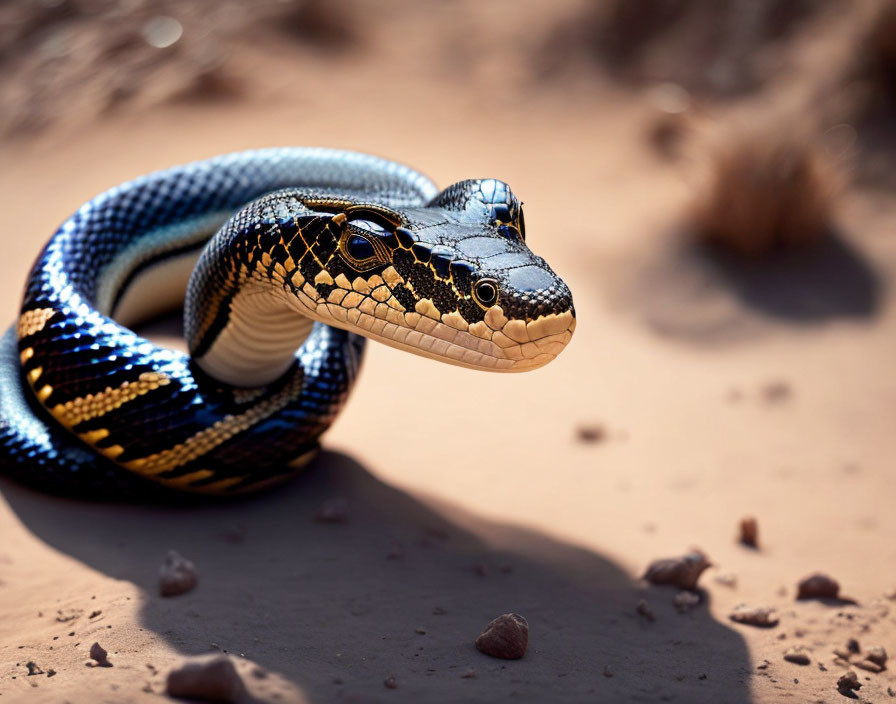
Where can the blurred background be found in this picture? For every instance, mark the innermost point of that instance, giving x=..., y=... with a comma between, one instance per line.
x=713, y=179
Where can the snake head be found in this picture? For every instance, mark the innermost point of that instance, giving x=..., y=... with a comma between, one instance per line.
x=452, y=280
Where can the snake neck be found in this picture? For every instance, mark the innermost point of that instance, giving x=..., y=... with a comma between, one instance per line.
x=240, y=325
x=258, y=342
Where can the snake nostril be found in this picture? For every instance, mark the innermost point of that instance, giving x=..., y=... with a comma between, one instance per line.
x=485, y=292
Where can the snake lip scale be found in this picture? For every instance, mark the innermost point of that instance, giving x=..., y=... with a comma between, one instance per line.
x=286, y=261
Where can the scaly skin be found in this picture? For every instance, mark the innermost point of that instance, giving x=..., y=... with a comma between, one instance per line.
x=315, y=250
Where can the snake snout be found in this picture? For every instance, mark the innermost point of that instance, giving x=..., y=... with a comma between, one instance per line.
x=531, y=291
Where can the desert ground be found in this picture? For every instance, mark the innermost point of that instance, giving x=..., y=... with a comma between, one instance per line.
x=714, y=388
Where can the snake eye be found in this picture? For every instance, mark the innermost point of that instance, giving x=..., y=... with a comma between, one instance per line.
x=359, y=248
x=485, y=292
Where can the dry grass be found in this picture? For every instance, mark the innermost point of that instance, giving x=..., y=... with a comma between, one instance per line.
x=769, y=187
x=711, y=47
x=881, y=45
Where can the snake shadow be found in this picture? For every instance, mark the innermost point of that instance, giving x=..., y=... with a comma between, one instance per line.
x=335, y=607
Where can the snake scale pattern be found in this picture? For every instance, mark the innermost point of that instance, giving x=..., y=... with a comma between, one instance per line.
x=285, y=261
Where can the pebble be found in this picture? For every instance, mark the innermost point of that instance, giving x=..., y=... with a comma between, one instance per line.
x=749, y=532
x=99, y=654
x=776, y=391
x=680, y=571
x=177, y=575
x=591, y=433
x=726, y=580
x=877, y=654
x=762, y=616
x=235, y=533
x=390, y=683
x=848, y=683
x=215, y=679
x=643, y=609
x=797, y=655
x=685, y=601
x=506, y=637
x=818, y=586
x=333, y=510
x=868, y=665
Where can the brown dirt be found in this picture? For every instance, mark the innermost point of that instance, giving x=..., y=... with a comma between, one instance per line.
x=673, y=352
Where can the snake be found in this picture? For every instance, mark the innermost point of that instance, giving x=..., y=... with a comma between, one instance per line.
x=284, y=262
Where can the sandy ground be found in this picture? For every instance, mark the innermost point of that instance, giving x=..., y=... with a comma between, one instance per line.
x=469, y=494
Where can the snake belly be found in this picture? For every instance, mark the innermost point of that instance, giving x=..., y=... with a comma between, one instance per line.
x=300, y=254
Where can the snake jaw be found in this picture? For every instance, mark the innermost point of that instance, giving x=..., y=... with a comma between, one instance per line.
x=495, y=343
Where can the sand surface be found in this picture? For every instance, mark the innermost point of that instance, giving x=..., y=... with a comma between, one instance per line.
x=470, y=495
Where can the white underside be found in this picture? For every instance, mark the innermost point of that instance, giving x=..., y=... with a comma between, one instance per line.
x=260, y=340
x=159, y=289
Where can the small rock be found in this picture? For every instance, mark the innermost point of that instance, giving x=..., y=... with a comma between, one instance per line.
x=852, y=646
x=51, y=672
x=33, y=668
x=685, y=601
x=848, y=683
x=890, y=594
x=98, y=653
x=65, y=617
x=642, y=609
x=681, y=571
x=333, y=510
x=726, y=580
x=420, y=631
x=390, y=683
x=506, y=637
x=214, y=679
x=877, y=654
x=94, y=614
x=177, y=575
x=591, y=433
x=762, y=616
x=236, y=533
x=608, y=671
x=868, y=665
x=797, y=655
x=818, y=586
x=776, y=391
x=749, y=532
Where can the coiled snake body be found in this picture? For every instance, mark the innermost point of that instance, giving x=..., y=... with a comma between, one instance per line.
x=288, y=259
